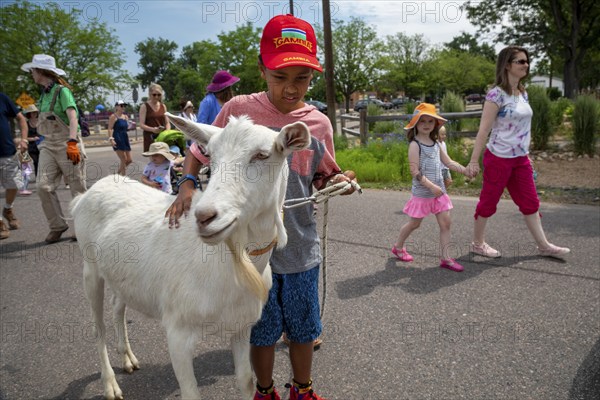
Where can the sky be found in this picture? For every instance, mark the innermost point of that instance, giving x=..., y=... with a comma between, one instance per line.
x=188, y=21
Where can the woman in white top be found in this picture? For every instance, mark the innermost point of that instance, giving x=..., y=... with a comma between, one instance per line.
x=507, y=115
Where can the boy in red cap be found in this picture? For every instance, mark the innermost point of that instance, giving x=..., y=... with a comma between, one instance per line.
x=287, y=61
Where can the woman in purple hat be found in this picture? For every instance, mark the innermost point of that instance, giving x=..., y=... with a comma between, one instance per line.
x=219, y=93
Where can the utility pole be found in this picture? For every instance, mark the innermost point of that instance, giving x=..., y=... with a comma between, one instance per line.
x=329, y=78
x=292, y=7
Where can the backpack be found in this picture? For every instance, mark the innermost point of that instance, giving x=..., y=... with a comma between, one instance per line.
x=84, y=127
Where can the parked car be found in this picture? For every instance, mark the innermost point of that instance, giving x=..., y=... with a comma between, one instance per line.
x=475, y=98
x=364, y=103
x=319, y=104
x=399, y=102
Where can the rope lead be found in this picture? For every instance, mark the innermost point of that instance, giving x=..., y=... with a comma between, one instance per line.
x=323, y=196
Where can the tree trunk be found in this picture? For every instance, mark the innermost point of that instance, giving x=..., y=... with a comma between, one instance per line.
x=571, y=78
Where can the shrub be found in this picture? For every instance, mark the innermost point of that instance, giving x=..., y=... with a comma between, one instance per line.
x=410, y=107
x=553, y=93
x=557, y=111
x=373, y=110
x=452, y=102
x=541, y=123
x=586, y=120
x=382, y=129
x=340, y=142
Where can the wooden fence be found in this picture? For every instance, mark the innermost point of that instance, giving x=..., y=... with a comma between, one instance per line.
x=361, y=129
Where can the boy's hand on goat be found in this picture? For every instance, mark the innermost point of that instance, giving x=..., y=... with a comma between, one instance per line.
x=181, y=205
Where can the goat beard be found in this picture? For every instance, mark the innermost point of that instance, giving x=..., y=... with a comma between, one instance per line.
x=246, y=272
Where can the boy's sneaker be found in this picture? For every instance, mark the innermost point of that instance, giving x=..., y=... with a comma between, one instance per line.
x=271, y=396
x=402, y=254
x=310, y=395
x=484, y=250
x=13, y=222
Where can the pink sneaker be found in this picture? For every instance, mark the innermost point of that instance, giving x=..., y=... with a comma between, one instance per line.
x=452, y=265
x=402, y=254
x=25, y=192
x=554, y=251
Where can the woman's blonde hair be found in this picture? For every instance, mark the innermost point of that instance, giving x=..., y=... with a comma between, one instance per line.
x=157, y=87
x=505, y=57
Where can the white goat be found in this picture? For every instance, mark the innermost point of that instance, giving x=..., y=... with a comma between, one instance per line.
x=187, y=277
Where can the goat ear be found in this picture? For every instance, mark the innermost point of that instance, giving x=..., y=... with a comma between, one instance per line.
x=294, y=137
x=195, y=131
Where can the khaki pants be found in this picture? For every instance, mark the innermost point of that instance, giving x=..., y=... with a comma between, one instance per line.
x=53, y=165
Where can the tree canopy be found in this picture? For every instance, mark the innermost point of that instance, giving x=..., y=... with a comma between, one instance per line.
x=89, y=53
x=186, y=77
x=564, y=31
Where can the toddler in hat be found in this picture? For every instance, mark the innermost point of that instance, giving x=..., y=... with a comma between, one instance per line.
x=157, y=173
x=288, y=59
x=428, y=191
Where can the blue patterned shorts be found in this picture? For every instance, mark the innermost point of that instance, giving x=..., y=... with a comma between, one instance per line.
x=292, y=307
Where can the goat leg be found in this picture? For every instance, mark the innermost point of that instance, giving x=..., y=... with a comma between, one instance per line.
x=94, y=290
x=129, y=361
x=182, y=343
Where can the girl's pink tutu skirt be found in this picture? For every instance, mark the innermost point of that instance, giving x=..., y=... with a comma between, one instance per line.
x=418, y=207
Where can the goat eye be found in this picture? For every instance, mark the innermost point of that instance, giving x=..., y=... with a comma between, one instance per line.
x=261, y=156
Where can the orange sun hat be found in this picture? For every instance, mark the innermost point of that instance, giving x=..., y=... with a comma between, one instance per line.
x=425, y=109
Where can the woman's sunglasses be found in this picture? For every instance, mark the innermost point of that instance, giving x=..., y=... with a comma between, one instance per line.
x=520, y=62
x=156, y=94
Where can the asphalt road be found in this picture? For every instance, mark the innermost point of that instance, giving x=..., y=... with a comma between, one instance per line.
x=518, y=327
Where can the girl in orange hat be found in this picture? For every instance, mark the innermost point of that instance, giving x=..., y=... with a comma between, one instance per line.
x=428, y=191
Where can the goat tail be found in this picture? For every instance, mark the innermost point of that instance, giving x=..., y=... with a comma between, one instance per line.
x=246, y=273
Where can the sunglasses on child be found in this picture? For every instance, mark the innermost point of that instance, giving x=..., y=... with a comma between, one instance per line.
x=520, y=62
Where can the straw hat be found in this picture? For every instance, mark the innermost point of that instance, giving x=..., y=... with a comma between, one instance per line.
x=43, y=61
x=30, y=108
x=424, y=109
x=159, y=148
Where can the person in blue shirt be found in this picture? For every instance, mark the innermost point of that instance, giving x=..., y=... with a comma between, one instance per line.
x=10, y=172
x=219, y=92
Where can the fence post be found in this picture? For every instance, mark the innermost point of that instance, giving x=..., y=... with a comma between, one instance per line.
x=363, y=127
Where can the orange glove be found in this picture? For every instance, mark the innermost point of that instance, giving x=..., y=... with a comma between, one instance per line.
x=73, y=152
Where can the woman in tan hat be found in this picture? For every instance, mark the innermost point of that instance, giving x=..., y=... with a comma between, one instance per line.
x=428, y=191
x=61, y=152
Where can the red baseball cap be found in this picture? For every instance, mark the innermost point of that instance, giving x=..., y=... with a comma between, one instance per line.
x=288, y=41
